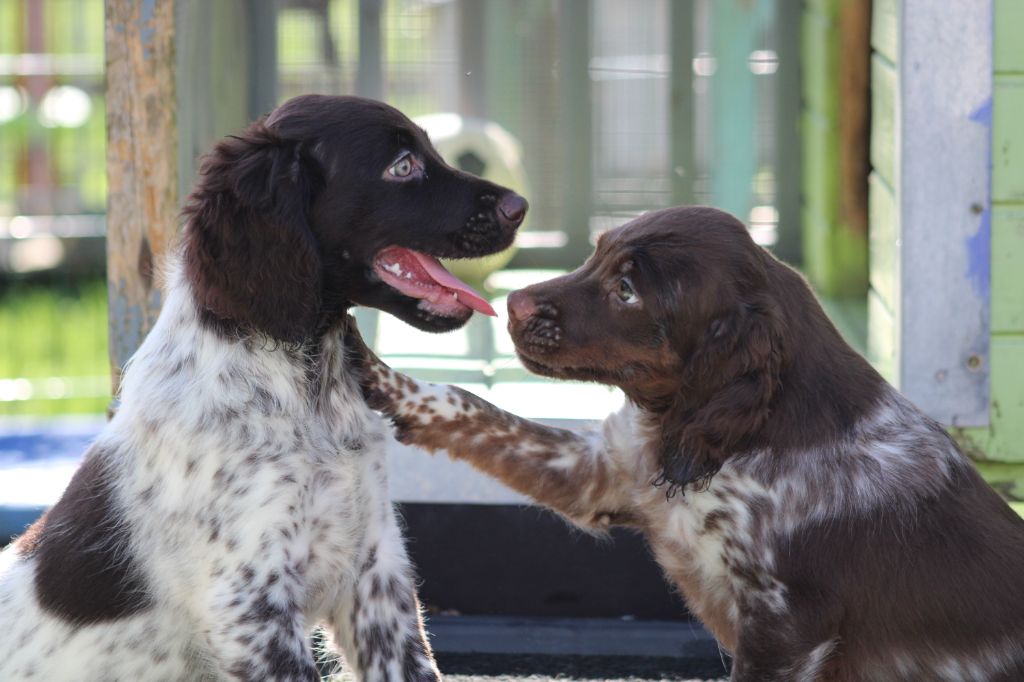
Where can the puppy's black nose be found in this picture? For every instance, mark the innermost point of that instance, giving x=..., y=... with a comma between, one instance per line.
x=512, y=209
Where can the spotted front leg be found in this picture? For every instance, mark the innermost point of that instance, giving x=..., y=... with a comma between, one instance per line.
x=378, y=624
x=572, y=473
x=256, y=630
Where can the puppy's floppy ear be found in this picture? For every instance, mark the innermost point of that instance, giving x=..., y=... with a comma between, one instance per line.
x=727, y=395
x=249, y=250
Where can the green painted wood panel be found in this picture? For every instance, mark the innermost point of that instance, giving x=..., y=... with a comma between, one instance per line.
x=820, y=6
x=1008, y=51
x=882, y=339
x=835, y=258
x=835, y=255
x=883, y=261
x=884, y=93
x=1004, y=439
x=820, y=155
x=885, y=28
x=1007, y=273
x=1008, y=139
x=815, y=243
x=818, y=35
x=850, y=316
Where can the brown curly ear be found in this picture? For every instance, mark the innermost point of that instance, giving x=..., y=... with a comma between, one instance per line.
x=249, y=252
x=726, y=399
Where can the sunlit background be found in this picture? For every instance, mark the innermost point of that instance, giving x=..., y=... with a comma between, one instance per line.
x=595, y=111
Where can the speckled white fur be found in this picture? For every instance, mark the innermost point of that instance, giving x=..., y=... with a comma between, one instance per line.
x=257, y=508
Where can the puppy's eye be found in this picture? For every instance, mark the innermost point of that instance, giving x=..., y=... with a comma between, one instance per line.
x=625, y=291
x=403, y=168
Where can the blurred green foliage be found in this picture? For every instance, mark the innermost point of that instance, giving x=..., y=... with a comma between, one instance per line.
x=54, y=339
x=76, y=155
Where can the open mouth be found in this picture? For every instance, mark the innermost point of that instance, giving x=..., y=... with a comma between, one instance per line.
x=419, y=275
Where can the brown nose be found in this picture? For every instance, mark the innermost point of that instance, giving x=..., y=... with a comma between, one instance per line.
x=512, y=209
x=520, y=305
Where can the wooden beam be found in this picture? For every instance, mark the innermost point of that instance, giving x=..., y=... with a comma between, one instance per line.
x=854, y=114
x=142, y=152
x=178, y=78
x=835, y=59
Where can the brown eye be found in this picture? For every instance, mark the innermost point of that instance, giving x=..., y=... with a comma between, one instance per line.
x=625, y=291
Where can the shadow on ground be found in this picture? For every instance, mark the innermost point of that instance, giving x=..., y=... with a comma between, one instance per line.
x=509, y=668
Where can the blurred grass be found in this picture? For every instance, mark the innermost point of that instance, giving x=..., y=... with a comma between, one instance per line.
x=54, y=335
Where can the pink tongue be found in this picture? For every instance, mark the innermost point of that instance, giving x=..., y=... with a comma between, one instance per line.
x=450, y=281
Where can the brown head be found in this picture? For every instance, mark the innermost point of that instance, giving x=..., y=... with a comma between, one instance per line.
x=330, y=202
x=698, y=325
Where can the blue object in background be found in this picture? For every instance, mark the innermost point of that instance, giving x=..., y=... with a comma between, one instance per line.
x=37, y=459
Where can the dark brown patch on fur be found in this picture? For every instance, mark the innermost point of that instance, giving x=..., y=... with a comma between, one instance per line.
x=85, y=572
x=145, y=263
x=714, y=520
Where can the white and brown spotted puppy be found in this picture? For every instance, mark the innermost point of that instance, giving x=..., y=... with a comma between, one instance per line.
x=820, y=525
x=239, y=496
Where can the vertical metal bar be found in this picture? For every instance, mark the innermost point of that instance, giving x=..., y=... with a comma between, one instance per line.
x=472, y=59
x=576, y=124
x=506, y=53
x=209, y=105
x=681, y=119
x=262, y=37
x=370, y=74
x=788, y=145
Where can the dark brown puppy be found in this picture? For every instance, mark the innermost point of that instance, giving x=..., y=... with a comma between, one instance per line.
x=818, y=523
